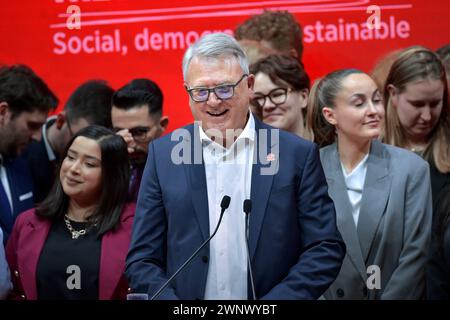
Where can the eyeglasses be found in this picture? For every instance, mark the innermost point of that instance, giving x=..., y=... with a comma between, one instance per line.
x=139, y=133
x=222, y=92
x=277, y=96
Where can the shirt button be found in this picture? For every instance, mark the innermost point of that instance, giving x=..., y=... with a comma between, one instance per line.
x=16, y=273
x=340, y=293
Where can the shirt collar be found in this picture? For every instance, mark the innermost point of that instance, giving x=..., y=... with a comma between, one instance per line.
x=51, y=154
x=247, y=133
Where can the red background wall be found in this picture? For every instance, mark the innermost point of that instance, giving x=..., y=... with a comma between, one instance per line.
x=35, y=33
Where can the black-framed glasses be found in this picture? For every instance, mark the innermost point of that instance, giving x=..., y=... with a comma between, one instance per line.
x=222, y=92
x=277, y=96
x=139, y=133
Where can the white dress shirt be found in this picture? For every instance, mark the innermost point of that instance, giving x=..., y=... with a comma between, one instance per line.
x=355, y=185
x=50, y=153
x=228, y=172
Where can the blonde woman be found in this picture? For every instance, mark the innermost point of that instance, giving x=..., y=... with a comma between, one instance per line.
x=417, y=111
x=381, y=193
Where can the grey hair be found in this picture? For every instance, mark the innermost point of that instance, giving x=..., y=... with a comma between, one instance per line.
x=215, y=45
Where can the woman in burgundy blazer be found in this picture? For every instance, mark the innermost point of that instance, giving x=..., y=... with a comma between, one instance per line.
x=74, y=244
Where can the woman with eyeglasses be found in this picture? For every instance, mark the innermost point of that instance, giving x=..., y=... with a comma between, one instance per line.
x=381, y=193
x=74, y=244
x=281, y=93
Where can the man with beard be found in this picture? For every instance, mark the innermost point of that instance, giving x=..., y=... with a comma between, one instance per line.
x=25, y=101
x=137, y=116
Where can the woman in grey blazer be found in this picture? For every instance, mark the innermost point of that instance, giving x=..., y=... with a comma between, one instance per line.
x=381, y=193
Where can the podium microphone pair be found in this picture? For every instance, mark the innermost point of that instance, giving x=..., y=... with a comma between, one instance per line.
x=224, y=204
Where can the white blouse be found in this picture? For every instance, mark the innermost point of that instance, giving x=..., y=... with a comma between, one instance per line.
x=355, y=184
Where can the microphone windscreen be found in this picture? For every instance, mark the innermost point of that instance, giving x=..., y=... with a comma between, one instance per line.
x=247, y=206
x=225, y=202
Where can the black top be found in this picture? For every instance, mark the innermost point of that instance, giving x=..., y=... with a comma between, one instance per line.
x=69, y=268
x=438, y=269
x=439, y=181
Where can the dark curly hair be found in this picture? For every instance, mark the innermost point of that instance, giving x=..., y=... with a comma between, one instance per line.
x=279, y=28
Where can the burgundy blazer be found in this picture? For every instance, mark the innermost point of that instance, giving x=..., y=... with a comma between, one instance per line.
x=28, y=238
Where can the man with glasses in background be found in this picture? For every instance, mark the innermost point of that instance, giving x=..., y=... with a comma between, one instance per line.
x=293, y=243
x=137, y=116
x=89, y=104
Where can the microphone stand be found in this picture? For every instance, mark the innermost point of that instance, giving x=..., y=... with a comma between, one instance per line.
x=224, y=205
x=247, y=210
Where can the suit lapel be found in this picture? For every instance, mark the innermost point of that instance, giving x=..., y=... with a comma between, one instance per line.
x=31, y=253
x=261, y=184
x=375, y=195
x=196, y=176
x=112, y=262
x=6, y=217
x=344, y=217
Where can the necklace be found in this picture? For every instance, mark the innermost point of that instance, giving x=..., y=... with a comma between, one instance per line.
x=75, y=233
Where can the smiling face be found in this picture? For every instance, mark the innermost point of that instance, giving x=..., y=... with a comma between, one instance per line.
x=418, y=107
x=81, y=171
x=358, y=112
x=287, y=115
x=215, y=113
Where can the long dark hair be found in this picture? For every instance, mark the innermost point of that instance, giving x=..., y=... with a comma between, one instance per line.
x=114, y=181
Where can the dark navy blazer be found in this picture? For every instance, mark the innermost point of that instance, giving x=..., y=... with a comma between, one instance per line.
x=294, y=244
x=21, y=186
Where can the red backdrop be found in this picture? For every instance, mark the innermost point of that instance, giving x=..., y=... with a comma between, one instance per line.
x=123, y=39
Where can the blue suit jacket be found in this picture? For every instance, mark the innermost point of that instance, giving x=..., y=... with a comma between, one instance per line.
x=21, y=186
x=42, y=169
x=294, y=244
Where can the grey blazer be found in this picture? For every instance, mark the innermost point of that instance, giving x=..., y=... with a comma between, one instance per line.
x=394, y=225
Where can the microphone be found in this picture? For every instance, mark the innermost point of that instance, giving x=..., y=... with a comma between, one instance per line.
x=247, y=209
x=224, y=204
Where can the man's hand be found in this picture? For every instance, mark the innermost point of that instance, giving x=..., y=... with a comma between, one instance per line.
x=126, y=135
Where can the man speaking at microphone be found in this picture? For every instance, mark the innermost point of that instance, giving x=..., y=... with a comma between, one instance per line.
x=294, y=246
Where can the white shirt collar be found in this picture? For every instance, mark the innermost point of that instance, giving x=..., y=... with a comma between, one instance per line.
x=247, y=133
x=48, y=148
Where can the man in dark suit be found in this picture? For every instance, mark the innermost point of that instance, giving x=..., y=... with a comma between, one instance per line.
x=137, y=115
x=89, y=104
x=294, y=246
x=25, y=101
